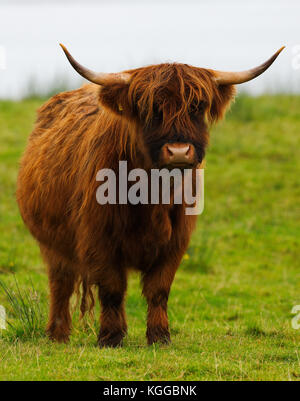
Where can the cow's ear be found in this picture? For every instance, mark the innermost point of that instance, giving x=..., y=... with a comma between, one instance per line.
x=223, y=96
x=115, y=98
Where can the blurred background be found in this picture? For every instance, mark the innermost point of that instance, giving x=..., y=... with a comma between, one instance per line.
x=231, y=302
x=116, y=35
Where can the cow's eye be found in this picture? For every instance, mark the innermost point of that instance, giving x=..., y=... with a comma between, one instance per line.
x=157, y=114
x=193, y=109
x=196, y=108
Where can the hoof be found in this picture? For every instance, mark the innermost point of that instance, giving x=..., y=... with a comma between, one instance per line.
x=158, y=335
x=111, y=340
x=57, y=335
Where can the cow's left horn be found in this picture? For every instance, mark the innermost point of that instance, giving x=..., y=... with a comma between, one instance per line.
x=233, y=78
x=100, y=78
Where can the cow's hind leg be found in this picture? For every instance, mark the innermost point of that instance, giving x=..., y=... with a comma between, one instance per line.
x=61, y=282
x=112, y=290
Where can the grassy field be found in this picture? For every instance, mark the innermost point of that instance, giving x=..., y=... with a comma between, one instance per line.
x=230, y=305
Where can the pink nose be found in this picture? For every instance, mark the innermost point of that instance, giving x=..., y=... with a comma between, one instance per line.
x=180, y=154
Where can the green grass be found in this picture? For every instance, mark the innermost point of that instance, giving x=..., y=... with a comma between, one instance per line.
x=230, y=305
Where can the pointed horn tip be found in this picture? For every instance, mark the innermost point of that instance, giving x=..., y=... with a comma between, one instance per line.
x=63, y=47
x=280, y=50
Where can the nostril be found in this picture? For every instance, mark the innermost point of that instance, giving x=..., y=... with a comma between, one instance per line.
x=170, y=153
x=188, y=151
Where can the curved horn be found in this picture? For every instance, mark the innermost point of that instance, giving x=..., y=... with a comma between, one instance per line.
x=233, y=78
x=99, y=78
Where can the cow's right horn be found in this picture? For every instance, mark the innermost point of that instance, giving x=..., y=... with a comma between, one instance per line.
x=99, y=78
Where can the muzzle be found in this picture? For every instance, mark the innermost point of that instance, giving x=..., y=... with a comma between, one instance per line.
x=178, y=155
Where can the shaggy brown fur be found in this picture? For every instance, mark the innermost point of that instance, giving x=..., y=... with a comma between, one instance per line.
x=80, y=132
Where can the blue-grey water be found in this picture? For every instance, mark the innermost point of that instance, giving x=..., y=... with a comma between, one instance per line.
x=117, y=35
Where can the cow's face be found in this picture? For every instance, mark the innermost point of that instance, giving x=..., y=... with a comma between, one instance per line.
x=173, y=103
x=170, y=105
x=171, y=112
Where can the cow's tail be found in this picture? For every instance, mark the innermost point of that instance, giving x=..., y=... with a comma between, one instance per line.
x=84, y=295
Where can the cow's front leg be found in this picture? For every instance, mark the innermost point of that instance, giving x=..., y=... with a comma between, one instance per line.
x=156, y=289
x=113, y=325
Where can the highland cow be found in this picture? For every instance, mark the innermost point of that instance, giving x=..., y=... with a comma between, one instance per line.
x=155, y=116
